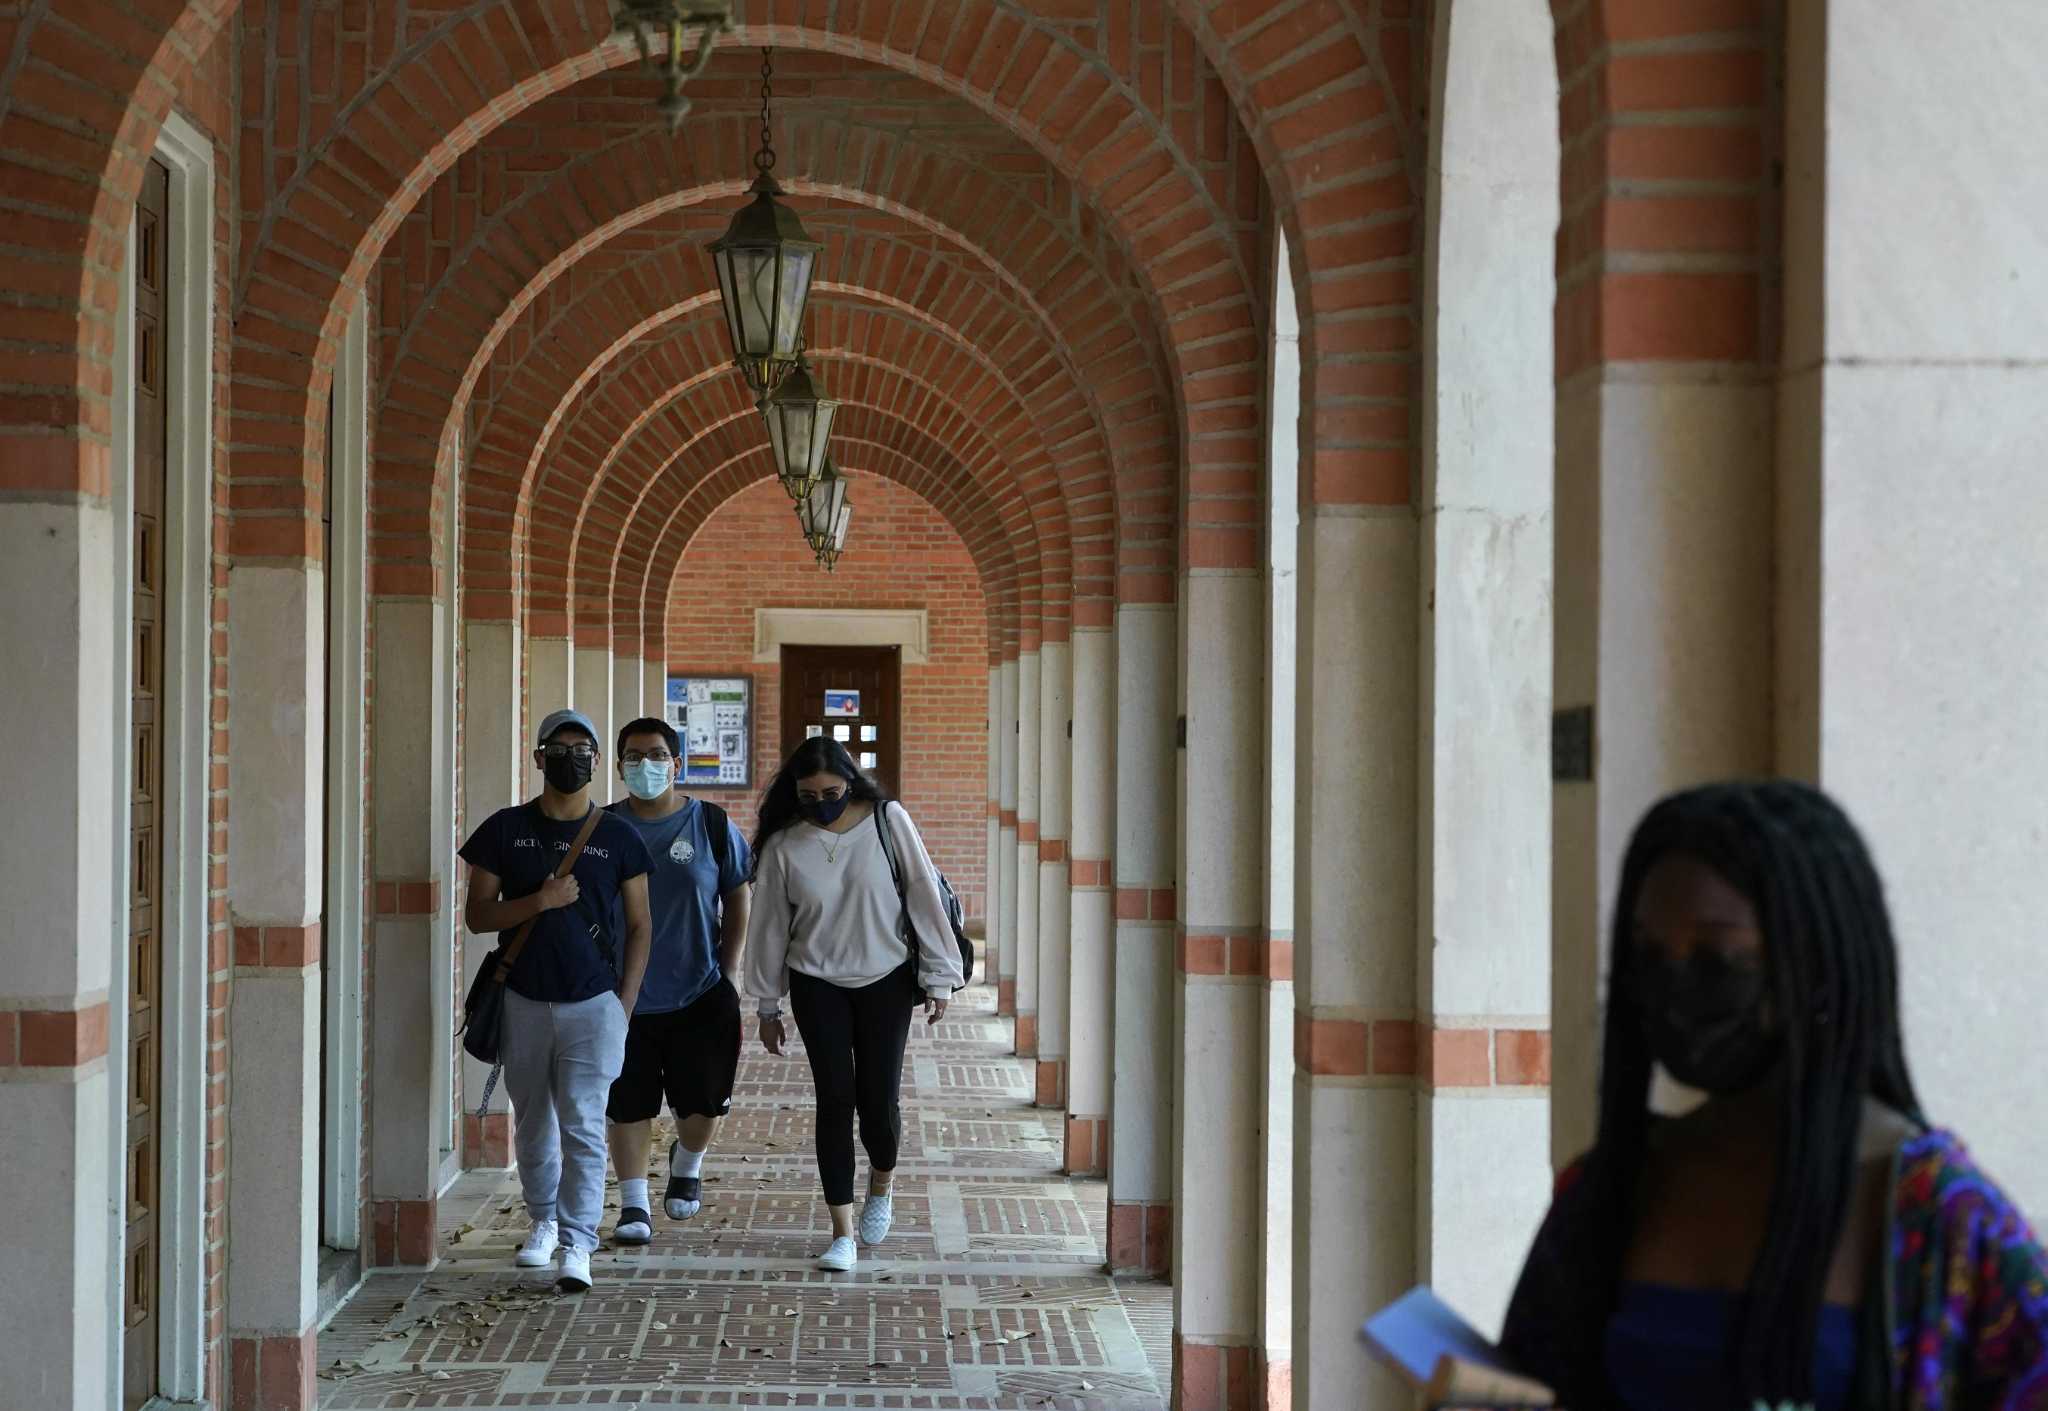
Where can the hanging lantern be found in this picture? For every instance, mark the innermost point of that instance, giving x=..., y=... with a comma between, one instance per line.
x=660, y=30
x=765, y=262
x=800, y=429
x=836, y=545
x=818, y=511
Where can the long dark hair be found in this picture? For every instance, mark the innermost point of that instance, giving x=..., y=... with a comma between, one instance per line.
x=820, y=754
x=1834, y=989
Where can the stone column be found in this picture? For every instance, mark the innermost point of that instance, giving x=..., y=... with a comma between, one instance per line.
x=628, y=698
x=1220, y=996
x=57, y=550
x=654, y=683
x=1482, y=940
x=1273, y=1377
x=1055, y=760
x=1141, y=1098
x=991, y=962
x=550, y=685
x=593, y=696
x=1004, y=927
x=1026, y=857
x=277, y=686
x=494, y=770
x=412, y=690
x=1913, y=677
x=1091, y=983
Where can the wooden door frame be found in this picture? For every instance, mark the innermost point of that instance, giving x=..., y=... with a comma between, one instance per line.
x=184, y=922
x=892, y=748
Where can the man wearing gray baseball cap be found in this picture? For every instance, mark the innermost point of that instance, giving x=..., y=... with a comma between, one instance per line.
x=553, y=877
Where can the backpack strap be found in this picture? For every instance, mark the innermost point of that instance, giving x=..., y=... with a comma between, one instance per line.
x=718, y=829
x=904, y=931
x=510, y=953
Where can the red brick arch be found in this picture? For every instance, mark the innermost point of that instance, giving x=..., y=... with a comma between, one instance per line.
x=83, y=94
x=999, y=559
x=710, y=421
x=531, y=247
x=526, y=423
x=932, y=380
x=1187, y=215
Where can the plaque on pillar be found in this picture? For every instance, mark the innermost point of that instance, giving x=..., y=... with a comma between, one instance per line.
x=1571, y=745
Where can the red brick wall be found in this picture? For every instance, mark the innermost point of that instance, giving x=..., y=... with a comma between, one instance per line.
x=902, y=555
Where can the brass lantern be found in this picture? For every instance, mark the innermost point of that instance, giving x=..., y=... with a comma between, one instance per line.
x=765, y=263
x=819, y=511
x=836, y=545
x=660, y=30
x=799, y=429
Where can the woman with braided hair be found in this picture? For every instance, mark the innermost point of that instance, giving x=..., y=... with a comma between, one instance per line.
x=1803, y=1235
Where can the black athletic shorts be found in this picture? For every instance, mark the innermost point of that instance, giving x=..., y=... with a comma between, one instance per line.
x=690, y=1055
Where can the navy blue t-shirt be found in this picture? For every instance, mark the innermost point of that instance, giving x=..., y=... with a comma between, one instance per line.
x=574, y=951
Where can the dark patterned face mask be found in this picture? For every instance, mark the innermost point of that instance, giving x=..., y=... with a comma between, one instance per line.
x=1707, y=1020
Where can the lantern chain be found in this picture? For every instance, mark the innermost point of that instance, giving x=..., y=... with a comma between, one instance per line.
x=764, y=160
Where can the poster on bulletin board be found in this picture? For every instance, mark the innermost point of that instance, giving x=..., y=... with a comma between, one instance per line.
x=714, y=716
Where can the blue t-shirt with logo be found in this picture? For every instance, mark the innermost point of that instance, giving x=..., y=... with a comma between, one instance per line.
x=575, y=951
x=684, y=886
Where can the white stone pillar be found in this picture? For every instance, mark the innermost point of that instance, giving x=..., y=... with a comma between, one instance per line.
x=593, y=696
x=1913, y=563
x=1005, y=881
x=1091, y=981
x=1482, y=939
x=550, y=686
x=277, y=686
x=412, y=690
x=59, y=554
x=654, y=686
x=628, y=697
x=1141, y=1097
x=1026, y=855
x=1355, y=1037
x=494, y=770
x=991, y=962
x=1055, y=772
x=1272, y=1382
x=1219, y=1058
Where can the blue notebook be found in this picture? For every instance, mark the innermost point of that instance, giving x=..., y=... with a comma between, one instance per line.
x=1436, y=1351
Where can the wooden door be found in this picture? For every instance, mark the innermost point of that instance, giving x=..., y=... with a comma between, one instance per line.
x=146, y=804
x=873, y=679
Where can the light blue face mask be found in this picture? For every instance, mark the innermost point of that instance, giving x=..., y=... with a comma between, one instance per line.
x=648, y=780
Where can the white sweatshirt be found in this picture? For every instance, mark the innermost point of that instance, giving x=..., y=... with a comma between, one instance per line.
x=825, y=904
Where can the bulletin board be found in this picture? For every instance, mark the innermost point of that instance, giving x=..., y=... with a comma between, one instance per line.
x=714, y=716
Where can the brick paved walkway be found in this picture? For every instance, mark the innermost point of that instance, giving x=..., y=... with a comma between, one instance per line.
x=988, y=1294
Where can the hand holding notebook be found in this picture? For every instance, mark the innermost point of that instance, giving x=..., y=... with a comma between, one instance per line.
x=1444, y=1357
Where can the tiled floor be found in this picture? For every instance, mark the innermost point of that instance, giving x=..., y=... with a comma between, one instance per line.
x=989, y=1293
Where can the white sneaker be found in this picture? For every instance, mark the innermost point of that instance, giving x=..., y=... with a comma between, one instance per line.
x=841, y=1256
x=541, y=1243
x=875, y=1218
x=575, y=1274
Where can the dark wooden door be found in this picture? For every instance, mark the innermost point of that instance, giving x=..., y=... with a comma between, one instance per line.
x=146, y=797
x=873, y=731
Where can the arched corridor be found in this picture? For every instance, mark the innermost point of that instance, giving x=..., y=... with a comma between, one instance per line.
x=1318, y=470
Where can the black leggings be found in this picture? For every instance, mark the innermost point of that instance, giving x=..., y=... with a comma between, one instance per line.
x=854, y=1040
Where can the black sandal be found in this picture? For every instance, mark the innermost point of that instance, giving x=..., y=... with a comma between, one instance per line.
x=684, y=1188
x=633, y=1215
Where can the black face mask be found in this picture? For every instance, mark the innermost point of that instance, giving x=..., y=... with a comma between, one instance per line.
x=567, y=773
x=826, y=812
x=1705, y=1020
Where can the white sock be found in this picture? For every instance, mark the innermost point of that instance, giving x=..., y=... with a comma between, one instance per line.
x=686, y=1162
x=633, y=1194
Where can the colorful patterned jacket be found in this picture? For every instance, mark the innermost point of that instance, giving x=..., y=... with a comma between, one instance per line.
x=1959, y=1322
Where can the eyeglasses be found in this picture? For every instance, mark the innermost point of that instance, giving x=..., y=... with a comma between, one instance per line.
x=651, y=757
x=806, y=796
x=564, y=751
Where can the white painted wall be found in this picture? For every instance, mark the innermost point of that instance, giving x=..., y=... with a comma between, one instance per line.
x=1025, y=853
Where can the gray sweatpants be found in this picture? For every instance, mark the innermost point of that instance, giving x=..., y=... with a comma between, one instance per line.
x=560, y=1060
